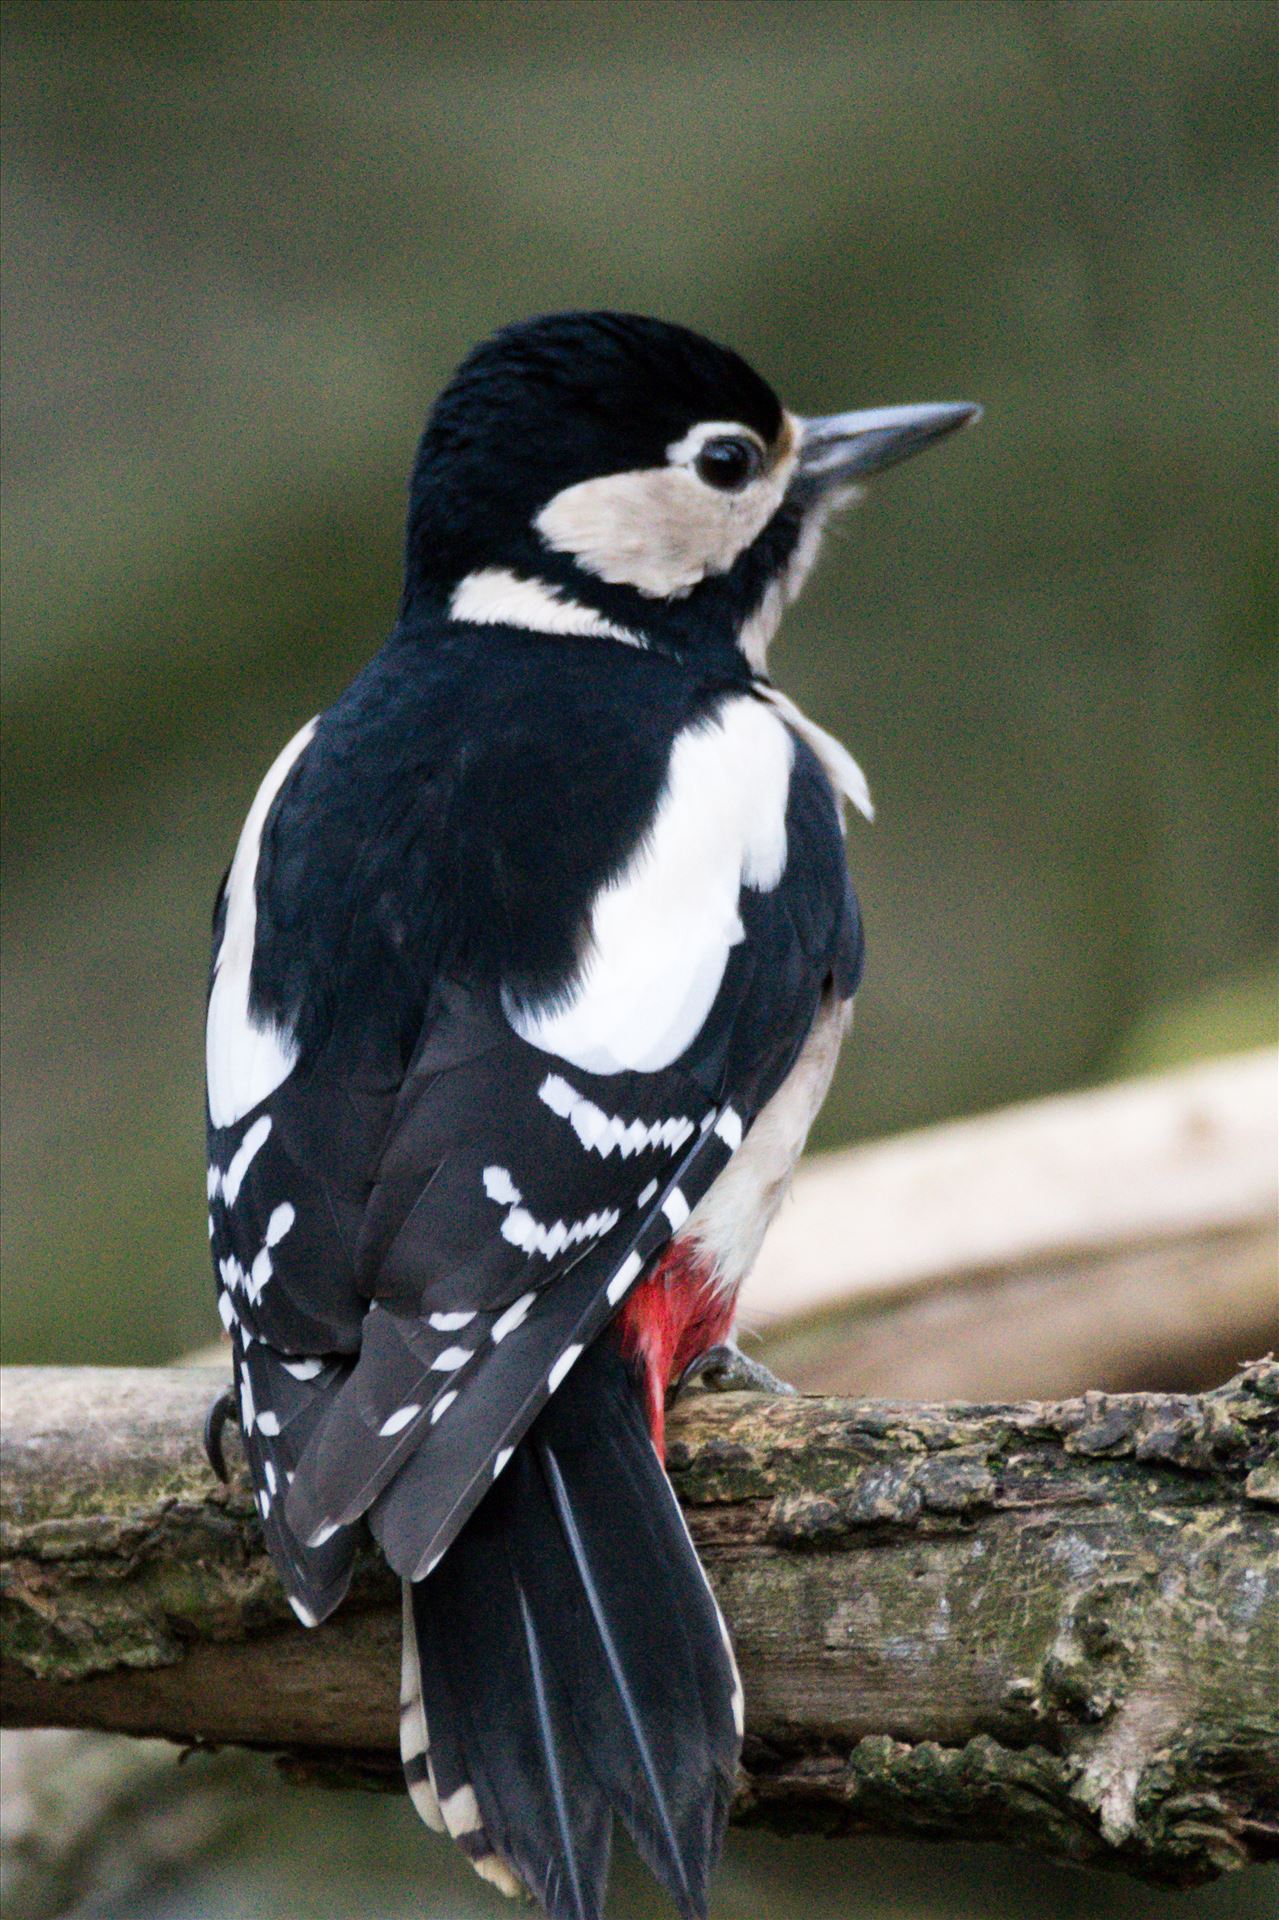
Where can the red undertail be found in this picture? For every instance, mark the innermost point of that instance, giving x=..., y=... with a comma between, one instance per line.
x=672, y=1316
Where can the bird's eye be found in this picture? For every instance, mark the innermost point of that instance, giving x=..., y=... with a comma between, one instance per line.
x=728, y=463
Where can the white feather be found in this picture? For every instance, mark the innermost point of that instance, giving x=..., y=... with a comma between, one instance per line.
x=496, y=597
x=840, y=767
x=245, y=1060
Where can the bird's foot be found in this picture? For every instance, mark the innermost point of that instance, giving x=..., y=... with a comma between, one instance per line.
x=214, y=1422
x=726, y=1369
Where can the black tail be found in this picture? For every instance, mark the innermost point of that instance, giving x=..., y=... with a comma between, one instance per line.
x=572, y=1664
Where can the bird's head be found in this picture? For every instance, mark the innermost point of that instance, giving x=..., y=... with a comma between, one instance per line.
x=608, y=473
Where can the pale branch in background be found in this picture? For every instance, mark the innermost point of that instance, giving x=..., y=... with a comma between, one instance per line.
x=1124, y=1237
x=1055, y=1626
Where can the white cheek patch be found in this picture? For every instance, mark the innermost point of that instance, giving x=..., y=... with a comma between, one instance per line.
x=245, y=1060
x=661, y=933
x=659, y=529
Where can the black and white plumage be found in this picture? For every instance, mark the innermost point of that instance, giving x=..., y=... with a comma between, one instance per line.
x=529, y=973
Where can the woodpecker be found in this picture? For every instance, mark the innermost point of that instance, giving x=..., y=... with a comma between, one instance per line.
x=529, y=975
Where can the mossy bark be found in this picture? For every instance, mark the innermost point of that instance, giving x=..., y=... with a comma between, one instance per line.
x=1051, y=1625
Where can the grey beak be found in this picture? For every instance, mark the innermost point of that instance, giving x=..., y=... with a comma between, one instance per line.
x=838, y=448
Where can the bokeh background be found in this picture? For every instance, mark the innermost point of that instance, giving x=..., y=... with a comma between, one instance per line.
x=246, y=243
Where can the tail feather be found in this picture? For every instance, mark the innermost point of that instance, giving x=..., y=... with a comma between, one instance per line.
x=634, y=1624
x=631, y=1711
x=415, y=1738
x=504, y=1763
x=573, y=1661
x=547, y=1713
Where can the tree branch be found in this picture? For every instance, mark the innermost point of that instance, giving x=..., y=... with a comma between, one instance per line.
x=1056, y=1626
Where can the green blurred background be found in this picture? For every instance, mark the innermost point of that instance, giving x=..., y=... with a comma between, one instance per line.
x=246, y=243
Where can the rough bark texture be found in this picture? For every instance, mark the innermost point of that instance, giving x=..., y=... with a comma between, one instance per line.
x=1051, y=1625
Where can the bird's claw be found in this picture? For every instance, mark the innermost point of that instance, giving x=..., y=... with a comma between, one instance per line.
x=726, y=1369
x=214, y=1421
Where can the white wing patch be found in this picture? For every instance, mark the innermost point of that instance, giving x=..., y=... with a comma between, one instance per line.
x=661, y=933
x=246, y=1060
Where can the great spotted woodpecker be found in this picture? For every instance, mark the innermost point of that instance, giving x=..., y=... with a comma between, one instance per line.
x=529, y=975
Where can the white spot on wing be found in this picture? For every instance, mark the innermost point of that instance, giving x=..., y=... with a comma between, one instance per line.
x=268, y=1423
x=278, y=1225
x=324, y=1534
x=451, y=1322
x=499, y=1186
x=561, y=1367
x=303, y=1369
x=303, y=1613
x=451, y=1359
x=675, y=1207
x=501, y=1458
x=662, y=931
x=397, y=1421
x=228, y=1184
x=557, y=1094
x=729, y=1129
x=259, y=1273
x=513, y=1317
x=624, y=1278
x=442, y=1405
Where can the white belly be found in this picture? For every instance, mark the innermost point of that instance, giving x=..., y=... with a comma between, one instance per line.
x=729, y=1224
